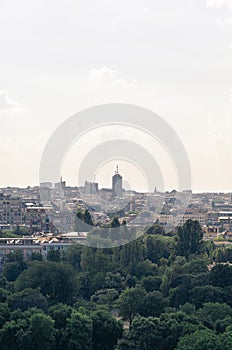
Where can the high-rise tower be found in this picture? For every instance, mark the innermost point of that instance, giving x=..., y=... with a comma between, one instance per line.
x=117, y=184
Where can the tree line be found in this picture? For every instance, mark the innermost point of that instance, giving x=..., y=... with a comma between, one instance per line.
x=156, y=292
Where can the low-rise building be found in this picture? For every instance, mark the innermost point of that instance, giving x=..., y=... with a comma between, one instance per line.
x=41, y=244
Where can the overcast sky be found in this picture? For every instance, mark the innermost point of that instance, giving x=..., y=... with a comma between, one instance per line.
x=173, y=57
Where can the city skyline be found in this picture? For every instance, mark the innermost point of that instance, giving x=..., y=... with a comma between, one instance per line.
x=116, y=174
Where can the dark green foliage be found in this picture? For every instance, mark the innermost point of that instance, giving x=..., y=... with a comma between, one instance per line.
x=27, y=298
x=221, y=276
x=212, y=312
x=14, y=335
x=151, y=283
x=195, y=266
x=60, y=313
x=105, y=296
x=36, y=256
x=158, y=247
x=57, y=282
x=114, y=280
x=223, y=254
x=115, y=223
x=153, y=334
x=3, y=295
x=146, y=334
x=73, y=256
x=153, y=304
x=131, y=302
x=42, y=332
x=199, y=340
x=156, y=230
x=12, y=270
x=106, y=330
x=158, y=286
x=83, y=221
x=205, y=294
x=189, y=238
x=54, y=255
x=15, y=264
x=78, y=334
x=4, y=314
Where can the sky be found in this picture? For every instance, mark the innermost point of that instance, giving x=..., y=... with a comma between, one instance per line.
x=173, y=57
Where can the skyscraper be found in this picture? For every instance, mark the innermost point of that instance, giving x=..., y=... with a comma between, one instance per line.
x=117, y=184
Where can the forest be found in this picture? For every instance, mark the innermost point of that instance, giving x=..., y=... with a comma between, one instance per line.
x=161, y=291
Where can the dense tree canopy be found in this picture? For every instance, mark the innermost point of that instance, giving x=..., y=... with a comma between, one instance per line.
x=158, y=292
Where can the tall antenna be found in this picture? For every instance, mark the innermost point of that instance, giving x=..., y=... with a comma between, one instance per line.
x=117, y=169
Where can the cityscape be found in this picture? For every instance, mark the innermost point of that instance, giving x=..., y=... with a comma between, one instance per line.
x=43, y=217
x=115, y=182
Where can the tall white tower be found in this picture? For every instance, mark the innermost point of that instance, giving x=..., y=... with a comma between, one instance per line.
x=117, y=184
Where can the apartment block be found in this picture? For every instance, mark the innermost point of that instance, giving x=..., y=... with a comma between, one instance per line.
x=10, y=210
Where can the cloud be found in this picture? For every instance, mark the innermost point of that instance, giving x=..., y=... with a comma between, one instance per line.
x=107, y=75
x=6, y=103
x=102, y=74
x=218, y=3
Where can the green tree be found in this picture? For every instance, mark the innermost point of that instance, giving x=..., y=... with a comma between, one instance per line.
x=144, y=268
x=151, y=283
x=156, y=229
x=153, y=304
x=78, y=332
x=16, y=256
x=189, y=238
x=42, y=332
x=73, y=256
x=180, y=294
x=57, y=281
x=14, y=335
x=105, y=296
x=114, y=280
x=223, y=254
x=149, y=334
x=115, y=223
x=83, y=220
x=204, y=339
x=4, y=314
x=212, y=312
x=54, y=255
x=15, y=264
x=157, y=247
x=225, y=339
x=60, y=314
x=195, y=266
x=3, y=294
x=130, y=302
x=221, y=276
x=36, y=256
x=27, y=298
x=205, y=294
x=106, y=330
